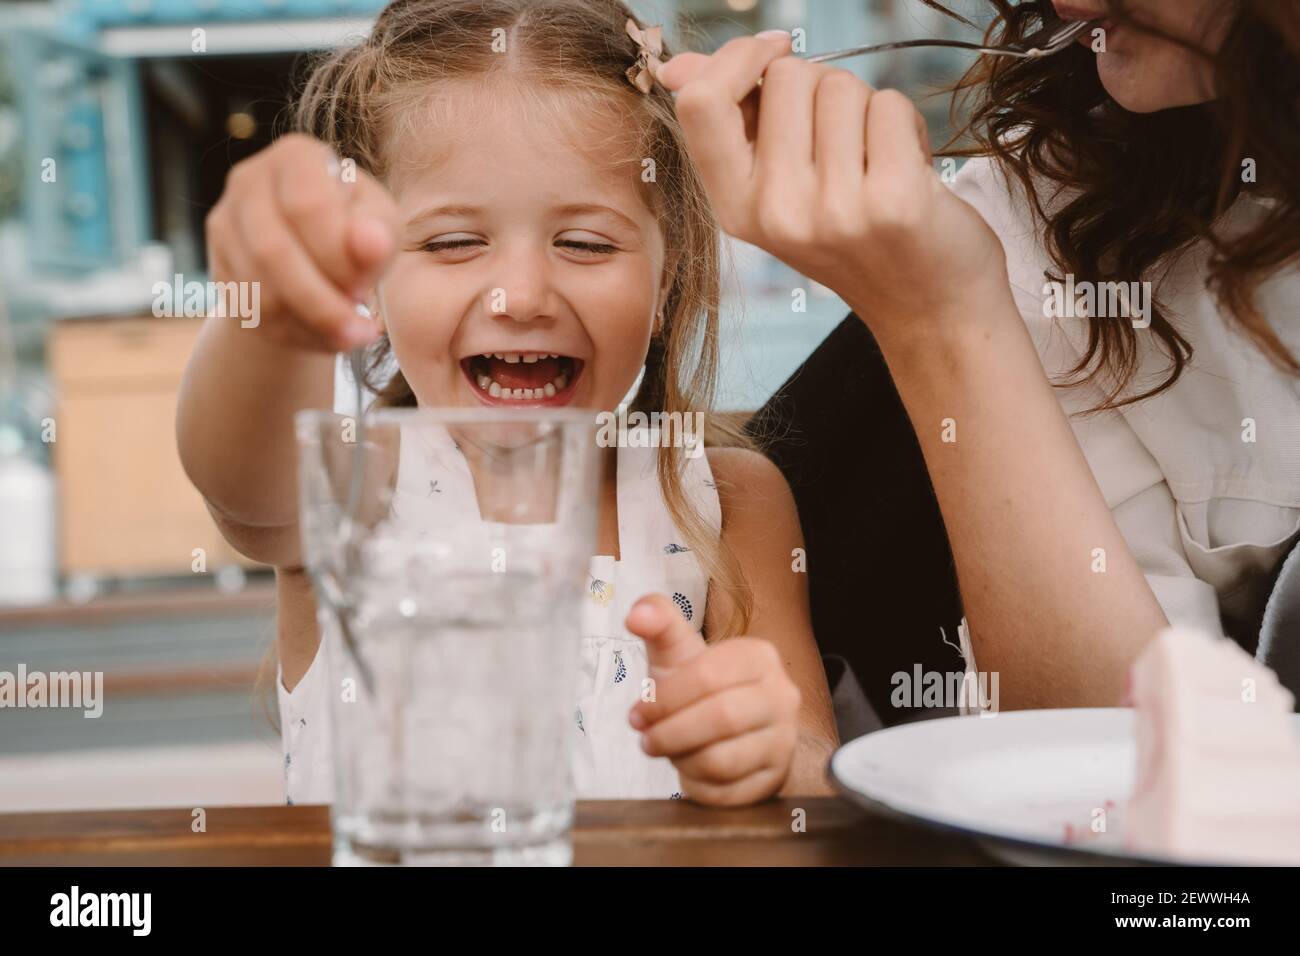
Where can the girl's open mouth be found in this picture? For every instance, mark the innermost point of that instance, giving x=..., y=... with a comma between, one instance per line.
x=522, y=378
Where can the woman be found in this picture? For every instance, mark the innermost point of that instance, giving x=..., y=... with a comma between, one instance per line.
x=1152, y=475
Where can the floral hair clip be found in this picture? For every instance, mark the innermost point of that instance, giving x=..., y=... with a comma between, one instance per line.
x=650, y=46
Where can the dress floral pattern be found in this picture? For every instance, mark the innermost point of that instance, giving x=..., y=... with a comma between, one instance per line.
x=614, y=672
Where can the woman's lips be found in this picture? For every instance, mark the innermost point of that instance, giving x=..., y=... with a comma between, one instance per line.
x=1068, y=11
x=1106, y=26
x=527, y=379
x=1070, y=14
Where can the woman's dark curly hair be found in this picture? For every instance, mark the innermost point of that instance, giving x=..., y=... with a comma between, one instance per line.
x=1120, y=194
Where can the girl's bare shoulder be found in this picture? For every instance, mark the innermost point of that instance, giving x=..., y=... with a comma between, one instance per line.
x=744, y=476
x=757, y=505
x=297, y=637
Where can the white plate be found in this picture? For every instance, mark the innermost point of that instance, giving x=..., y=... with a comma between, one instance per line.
x=1028, y=783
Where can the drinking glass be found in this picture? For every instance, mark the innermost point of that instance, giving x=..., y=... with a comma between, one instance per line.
x=448, y=549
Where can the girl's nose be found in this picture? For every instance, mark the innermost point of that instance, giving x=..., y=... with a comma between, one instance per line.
x=523, y=292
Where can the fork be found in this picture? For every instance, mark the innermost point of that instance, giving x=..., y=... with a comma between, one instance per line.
x=1051, y=39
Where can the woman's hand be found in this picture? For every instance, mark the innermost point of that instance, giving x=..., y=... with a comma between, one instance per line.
x=835, y=179
x=726, y=715
x=314, y=240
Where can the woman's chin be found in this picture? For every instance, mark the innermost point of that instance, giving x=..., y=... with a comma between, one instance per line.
x=1136, y=86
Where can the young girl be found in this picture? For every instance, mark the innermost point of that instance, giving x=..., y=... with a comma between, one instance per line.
x=501, y=186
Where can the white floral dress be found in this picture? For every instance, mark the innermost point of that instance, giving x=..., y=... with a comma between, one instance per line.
x=607, y=759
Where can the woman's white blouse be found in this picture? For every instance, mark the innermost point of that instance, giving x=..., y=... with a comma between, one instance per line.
x=1203, y=479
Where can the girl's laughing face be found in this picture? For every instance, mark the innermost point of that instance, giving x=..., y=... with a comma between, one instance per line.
x=531, y=269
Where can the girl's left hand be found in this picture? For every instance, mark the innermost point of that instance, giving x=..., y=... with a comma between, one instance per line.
x=726, y=715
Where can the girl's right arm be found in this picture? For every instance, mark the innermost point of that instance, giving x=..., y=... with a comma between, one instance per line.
x=312, y=246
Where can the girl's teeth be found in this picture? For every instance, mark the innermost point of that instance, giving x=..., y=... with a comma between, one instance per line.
x=496, y=390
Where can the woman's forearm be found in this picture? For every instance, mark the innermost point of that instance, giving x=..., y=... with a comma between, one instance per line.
x=1023, y=512
x=234, y=420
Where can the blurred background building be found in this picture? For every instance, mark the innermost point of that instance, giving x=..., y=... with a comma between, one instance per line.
x=119, y=120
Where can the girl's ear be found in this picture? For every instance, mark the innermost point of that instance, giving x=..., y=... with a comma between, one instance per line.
x=666, y=282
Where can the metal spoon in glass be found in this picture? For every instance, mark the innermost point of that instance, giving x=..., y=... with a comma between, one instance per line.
x=348, y=523
x=328, y=585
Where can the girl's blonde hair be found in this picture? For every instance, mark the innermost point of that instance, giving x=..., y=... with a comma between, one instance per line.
x=361, y=100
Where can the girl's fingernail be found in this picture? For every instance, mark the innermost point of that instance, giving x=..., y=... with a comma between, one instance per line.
x=772, y=34
x=636, y=720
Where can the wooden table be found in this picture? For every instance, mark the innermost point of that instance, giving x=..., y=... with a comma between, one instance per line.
x=607, y=833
